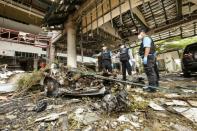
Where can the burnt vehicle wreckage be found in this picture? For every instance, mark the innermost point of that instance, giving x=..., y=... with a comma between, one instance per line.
x=80, y=99
x=86, y=84
x=91, y=96
x=108, y=87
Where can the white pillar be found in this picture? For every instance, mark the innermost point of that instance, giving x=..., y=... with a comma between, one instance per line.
x=52, y=53
x=35, y=63
x=71, y=44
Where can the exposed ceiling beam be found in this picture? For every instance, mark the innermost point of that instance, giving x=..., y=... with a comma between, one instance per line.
x=83, y=8
x=131, y=15
x=179, y=8
x=193, y=1
x=110, y=13
x=167, y=27
x=104, y=18
x=189, y=10
x=149, y=6
x=107, y=27
x=187, y=18
x=162, y=4
x=23, y=8
x=140, y=17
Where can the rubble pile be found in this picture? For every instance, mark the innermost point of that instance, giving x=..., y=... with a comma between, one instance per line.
x=8, y=79
x=5, y=75
x=71, y=100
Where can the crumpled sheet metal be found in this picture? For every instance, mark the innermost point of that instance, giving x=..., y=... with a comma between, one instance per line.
x=53, y=88
x=189, y=113
x=90, y=92
x=117, y=102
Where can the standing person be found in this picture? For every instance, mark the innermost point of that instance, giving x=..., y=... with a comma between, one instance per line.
x=147, y=53
x=156, y=67
x=106, y=61
x=124, y=55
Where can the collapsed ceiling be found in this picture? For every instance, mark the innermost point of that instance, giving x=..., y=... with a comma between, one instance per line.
x=108, y=21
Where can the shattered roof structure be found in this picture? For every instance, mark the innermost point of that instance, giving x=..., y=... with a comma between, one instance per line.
x=121, y=19
x=108, y=21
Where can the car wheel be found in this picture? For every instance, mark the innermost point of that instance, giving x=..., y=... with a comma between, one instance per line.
x=186, y=73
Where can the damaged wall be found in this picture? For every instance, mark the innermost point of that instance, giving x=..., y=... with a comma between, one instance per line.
x=172, y=61
x=12, y=47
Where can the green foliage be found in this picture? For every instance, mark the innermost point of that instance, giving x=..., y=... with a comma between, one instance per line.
x=28, y=80
x=174, y=43
x=138, y=105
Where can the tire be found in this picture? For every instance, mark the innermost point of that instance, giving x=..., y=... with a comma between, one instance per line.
x=186, y=73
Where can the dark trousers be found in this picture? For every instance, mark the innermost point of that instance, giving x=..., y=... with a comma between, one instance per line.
x=106, y=65
x=152, y=72
x=157, y=70
x=125, y=67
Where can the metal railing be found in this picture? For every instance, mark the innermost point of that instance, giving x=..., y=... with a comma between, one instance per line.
x=24, y=38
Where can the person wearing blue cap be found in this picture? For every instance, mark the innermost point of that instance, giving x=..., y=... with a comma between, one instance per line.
x=147, y=52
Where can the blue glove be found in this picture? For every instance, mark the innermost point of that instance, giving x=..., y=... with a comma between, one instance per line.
x=155, y=54
x=145, y=60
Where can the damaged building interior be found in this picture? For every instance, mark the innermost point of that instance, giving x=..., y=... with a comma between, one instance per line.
x=98, y=65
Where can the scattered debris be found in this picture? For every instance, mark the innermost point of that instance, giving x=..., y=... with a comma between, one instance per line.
x=171, y=95
x=3, y=98
x=7, y=87
x=176, y=103
x=178, y=127
x=190, y=113
x=156, y=107
x=192, y=103
x=122, y=119
x=112, y=107
x=84, y=116
x=11, y=116
x=51, y=117
x=41, y=106
x=117, y=102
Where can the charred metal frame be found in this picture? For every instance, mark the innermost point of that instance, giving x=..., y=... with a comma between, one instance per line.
x=152, y=14
x=120, y=10
x=86, y=26
x=91, y=24
x=102, y=12
x=30, y=39
x=131, y=15
x=179, y=8
x=133, y=21
x=140, y=22
x=163, y=7
x=111, y=13
x=96, y=17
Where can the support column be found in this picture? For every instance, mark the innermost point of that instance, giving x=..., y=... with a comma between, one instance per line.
x=52, y=53
x=71, y=44
x=35, y=63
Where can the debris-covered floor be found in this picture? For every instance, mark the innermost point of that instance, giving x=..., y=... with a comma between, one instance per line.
x=84, y=105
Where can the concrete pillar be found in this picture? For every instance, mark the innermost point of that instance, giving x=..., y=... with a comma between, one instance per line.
x=35, y=64
x=71, y=44
x=51, y=53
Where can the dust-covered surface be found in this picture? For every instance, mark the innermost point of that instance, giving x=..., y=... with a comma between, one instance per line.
x=123, y=107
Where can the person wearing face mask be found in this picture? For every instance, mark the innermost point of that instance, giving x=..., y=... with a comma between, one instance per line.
x=106, y=55
x=124, y=56
x=147, y=53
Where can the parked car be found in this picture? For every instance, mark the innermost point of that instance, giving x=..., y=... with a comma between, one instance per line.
x=189, y=60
